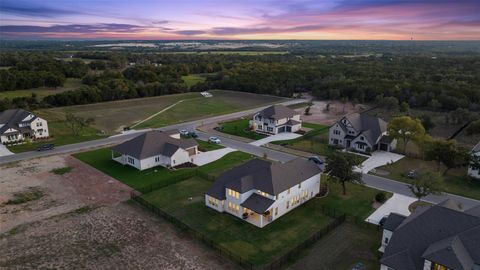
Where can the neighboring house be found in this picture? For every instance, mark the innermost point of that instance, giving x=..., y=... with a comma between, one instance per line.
x=438, y=237
x=16, y=125
x=260, y=192
x=276, y=119
x=474, y=167
x=155, y=148
x=361, y=133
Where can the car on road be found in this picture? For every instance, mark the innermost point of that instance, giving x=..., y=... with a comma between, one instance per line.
x=45, y=147
x=317, y=160
x=215, y=140
x=193, y=134
x=184, y=132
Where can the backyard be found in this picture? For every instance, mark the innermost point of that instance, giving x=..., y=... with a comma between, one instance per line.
x=184, y=200
x=314, y=141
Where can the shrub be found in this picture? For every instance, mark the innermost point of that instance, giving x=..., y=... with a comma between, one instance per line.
x=380, y=197
x=61, y=171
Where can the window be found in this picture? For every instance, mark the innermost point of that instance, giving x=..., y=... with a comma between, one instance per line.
x=233, y=207
x=233, y=193
x=362, y=138
x=360, y=146
x=276, y=211
x=213, y=201
x=288, y=204
x=264, y=194
x=157, y=159
x=300, y=185
x=131, y=160
x=288, y=191
x=270, y=129
x=386, y=240
x=39, y=124
x=336, y=132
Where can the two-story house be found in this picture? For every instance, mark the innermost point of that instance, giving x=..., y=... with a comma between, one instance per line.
x=276, y=119
x=16, y=125
x=362, y=133
x=155, y=148
x=260, y=192
x=438, y=237
x=474, y=167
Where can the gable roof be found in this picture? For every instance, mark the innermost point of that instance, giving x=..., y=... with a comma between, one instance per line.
x=370, y=126
x=257, y=203
x=262, y=175
x=278, y=112
x=12, y=118
x=431, y=232
x=393, y=221
x=153, y=143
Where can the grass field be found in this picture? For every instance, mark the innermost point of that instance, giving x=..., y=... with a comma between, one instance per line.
x=101, y=159
x=240, y=128
x=222, y=102
x=243, y=239
x=192, y=79
x=456, y=180
x=70, y=84
x=60, y=134
x=231, y=52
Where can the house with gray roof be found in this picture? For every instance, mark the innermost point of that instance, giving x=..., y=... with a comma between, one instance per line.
x=441, y=236
x=17, y=125
x=276, y=119
x=155, y=148
x=361, y=132
x=474, y=167
x=260, y=192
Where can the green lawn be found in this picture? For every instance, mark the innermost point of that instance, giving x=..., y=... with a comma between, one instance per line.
x=60, y=134
x=257, y=245
x=314, y=141
x=240, y=128
x=455, y=182
x=204, y=146
x=70, y=84
x=101, y=159
x=192, y=79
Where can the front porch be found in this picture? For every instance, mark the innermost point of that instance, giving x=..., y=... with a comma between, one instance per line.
x=259, y=220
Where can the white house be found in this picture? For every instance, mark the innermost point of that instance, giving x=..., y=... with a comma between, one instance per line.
x=260, y=192
x=361, y=133
x=155, y=148
x=439, y=237
x=16, y=125
x=276, y=119
x=474, y=167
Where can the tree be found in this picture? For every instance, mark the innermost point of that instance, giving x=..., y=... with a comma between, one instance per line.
x=340, y=168
x=447, y=153
x=76, y=123
x=474, y=127
x=307, y=110
x=427, y=122
x=426, y=184
x=405, y=129
x=404, y=107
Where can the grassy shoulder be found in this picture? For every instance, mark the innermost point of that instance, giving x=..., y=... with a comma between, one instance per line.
x=60, y=134
x=101, y=159
x=240, y=128
x=455, y=181
x=204, y=146
x=257, y=245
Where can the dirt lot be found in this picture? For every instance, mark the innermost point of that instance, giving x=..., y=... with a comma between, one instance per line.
x=320, y=115
x=82, y=220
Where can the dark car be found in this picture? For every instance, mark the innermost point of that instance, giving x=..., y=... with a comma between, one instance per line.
x=316, y=159
x=382, y=221
x=45, y=147
x=193, y=134
x=411, y=174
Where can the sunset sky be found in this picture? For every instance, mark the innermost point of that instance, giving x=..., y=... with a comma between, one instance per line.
x=243, y=19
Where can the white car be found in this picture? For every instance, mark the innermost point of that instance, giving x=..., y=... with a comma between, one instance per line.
x=214, y=140
x=183, y=132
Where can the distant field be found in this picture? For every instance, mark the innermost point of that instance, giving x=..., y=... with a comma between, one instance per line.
x=232, y=52
x=191, y=80
x=112, y=116
x=70, y=84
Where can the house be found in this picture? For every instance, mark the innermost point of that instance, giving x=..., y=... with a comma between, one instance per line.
x=435, y=237
x=16, y=125
x=276, y=119
x=260, y=192
x=474, y=167
x=155, y=148
x=361, y=132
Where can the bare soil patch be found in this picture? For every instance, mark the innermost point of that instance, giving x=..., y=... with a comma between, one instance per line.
x=319, y=114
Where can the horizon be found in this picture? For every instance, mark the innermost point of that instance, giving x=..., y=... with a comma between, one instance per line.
x=389, y=20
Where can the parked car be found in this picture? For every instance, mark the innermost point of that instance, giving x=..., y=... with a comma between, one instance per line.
x=411, y=174
x=183, y=132
x=214, y=140
x=45, y=147
x=316, y=159
x=193, y=134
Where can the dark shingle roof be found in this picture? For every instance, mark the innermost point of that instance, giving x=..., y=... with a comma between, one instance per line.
x=449, y=252
x=263, y=175
x=258, y=203
x=153, y=143
x=393, y=221
x=11, y=118
x=427, y=229
x=371, y=127
x=278, y=112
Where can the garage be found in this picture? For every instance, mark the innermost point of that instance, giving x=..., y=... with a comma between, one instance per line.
x=289, y=129
x=281, y=129
x=383, y=147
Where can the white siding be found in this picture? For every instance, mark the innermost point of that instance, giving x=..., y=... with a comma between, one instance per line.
x=40, y=128
x=339, y=136
x=475, y=173
x=386, y=236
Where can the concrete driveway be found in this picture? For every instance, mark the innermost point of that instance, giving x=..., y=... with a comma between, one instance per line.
x=278, y=137
x=4, y=151
x=210, y=156
x=378, y=159
x=397, y=203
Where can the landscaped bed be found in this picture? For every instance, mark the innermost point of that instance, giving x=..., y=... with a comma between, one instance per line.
x=185, y=201
x=101, y=159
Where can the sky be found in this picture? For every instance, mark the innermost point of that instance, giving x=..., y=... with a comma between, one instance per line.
x=241, y=19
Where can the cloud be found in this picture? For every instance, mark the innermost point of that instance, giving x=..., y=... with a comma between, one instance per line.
x=190, y=32
x=71, y=28
x=17, y=8
x=225, y=31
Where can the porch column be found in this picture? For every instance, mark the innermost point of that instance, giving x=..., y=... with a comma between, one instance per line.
x=261, y=220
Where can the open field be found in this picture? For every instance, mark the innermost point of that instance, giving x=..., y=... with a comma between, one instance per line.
x=231, y=52
x=240, y=128
x=41, y=92
x=192, y=79
x=455, y=182
x=257, y=245
x=82, y=220
x=101, y=159
x=222, y=102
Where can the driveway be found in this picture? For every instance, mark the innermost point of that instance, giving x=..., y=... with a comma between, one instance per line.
x=397, y=203
x=210, y=156
x=378, y=159
x=278, y=137
x=4, y=151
